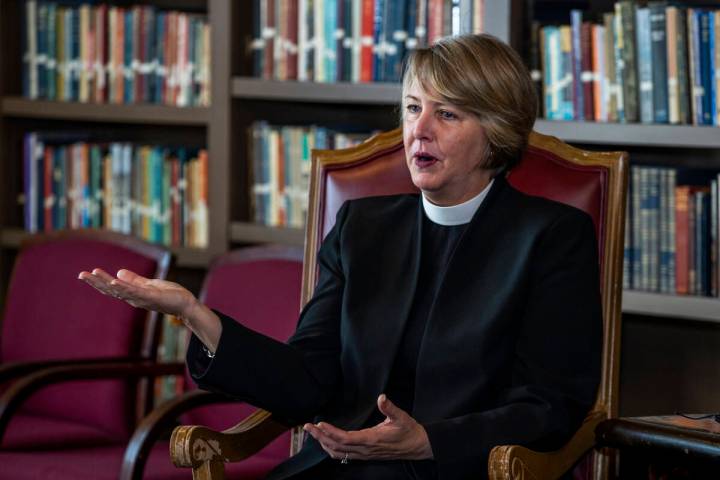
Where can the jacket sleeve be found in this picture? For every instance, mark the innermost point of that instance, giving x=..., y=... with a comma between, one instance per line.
x=557, y=359
x=293, y=380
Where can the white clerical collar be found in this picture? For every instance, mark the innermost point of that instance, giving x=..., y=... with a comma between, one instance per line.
x=455, y=214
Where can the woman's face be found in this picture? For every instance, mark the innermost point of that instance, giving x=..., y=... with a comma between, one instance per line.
x=444, y=148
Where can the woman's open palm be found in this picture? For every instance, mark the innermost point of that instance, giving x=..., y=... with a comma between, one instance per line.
x=152, y=294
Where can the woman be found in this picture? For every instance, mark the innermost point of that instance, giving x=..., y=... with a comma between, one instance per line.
x=442, y=324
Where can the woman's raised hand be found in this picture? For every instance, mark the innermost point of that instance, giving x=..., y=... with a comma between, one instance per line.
x=161, y=296
x=151, y=294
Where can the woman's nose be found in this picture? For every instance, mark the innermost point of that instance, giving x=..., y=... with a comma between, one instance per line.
x=423, y=128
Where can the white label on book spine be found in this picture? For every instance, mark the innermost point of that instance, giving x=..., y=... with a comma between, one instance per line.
x=399, y=35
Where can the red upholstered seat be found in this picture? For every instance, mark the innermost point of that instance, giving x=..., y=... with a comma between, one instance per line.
x=51, y=316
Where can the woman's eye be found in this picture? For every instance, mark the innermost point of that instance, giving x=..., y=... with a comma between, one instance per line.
x=447, y=115
x=412, y=108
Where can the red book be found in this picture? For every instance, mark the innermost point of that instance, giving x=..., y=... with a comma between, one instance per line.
x=118, y=62
x=435, y=20
x=587, y=70
x=269, y=57
x=684, y=238
x=366, y=41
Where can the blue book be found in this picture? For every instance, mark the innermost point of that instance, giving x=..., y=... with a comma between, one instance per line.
x=645, y=64
x=61, y=167
x=75, y=54
x=627, y=242
x=330, y=27
x=714, y=66
x=566, y=69
x=51, y=59
x=347, y=43
x=662, y=232
x=706, y=72
x=149, y=25
x=696, y=87
x=658, y=36
x=128, y=74
x=41, y=59
x=636, y=228
x=551, y=72
x=395, y=40
x=578, y=97
x=256, y=46
x=378, y=36
x=159, y=82
x=192, y=59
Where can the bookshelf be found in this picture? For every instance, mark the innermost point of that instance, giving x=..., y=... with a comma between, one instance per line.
x=669, y=342
x=19, y=107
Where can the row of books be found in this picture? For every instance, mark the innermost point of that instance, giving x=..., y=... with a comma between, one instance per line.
x=671, y=231
x=351, y=40
x=281, y=157
x=652, y=64
x=109, y=54
x=155, y=192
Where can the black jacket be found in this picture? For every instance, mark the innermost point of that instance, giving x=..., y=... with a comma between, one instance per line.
x=511, y=352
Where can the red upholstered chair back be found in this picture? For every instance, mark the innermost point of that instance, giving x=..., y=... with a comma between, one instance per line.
x=51, y=315
x=591, y=181
x=259, y=287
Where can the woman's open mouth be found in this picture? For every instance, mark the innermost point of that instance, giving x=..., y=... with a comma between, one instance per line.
x=424, y=160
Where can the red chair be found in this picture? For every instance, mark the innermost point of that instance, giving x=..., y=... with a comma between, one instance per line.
x=592, y=181
x=54, y=322
x=259, y=286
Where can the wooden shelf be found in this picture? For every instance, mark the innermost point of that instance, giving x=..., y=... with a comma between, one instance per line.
x=247, y=232
x=140, y=113
x=632, y=134
x=674, y=306
x=12, y=237
x=341, y=92
x=184, y=256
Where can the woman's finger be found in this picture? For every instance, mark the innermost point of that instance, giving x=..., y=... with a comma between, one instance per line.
x=131, y=277
x=102, y=274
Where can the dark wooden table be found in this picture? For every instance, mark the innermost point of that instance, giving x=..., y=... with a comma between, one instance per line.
x=664, y=447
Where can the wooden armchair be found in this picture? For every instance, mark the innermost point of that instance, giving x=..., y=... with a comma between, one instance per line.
x=594, y=182
x=57, y=331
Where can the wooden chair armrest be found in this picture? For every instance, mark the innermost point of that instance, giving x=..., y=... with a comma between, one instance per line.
x=156, y=423
x=23, y=388
x=516, y=462
x=13, y=370
x=201, y=448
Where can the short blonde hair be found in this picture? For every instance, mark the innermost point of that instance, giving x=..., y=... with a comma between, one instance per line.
x=483, y=76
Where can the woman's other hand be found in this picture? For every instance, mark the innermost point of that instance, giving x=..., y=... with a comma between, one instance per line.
x=161, y=296
x=398, y=437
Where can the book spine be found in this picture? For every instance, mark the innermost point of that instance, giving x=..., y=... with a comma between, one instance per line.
x=366, y=40
x=577, y=65
x=611, y=98
x=645, y=64
x=51, y=60
x=658, y=25
x=696, y=89
x=706, y=73
x=629, y=56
